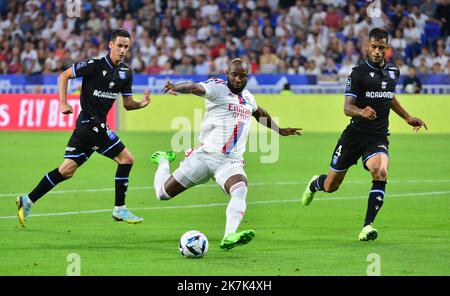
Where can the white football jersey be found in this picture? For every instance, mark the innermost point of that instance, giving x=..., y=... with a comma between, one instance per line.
x=227, y=119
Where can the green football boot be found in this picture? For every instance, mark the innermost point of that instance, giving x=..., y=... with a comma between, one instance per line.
x=169, y=155
x=237, y=239
x=368, y=233
x=308, y=195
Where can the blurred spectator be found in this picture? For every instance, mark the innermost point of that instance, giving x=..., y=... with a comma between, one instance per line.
x=201, y=65
x=318, y=13
x=268, y=61
x=441, y=57
x=436, y=69
x=283, y=29
x=333, y=18
x=94, y=23
x=346, y=69
x=210, y=10
x=64, y=31
x=426, y=56
x=429, y=8
x=412, y=37
x=422, y=67
x=165, y=38
x=329, y=70
x=4, y=67
x=337, y=3
x=412, y=83
x=419, y=18
x=398, y=43
x=137, y=63
x=254, y=63
x=318, y=57
x=282, y=67
x=153, y=67
x=295, y=67
x=205, y=30
x=271, y=38
x=185, y=68
x=312, y=69
x=38, y=36
x=398, y=15
x=447, y=68
x=29, y=59
x=350, y=28
x=335, y=49
x=398, y=61
x=298, y=15
x=350, y=52
x=351, y=12
x=442, y=15
x=221, y=62
x=298, y=55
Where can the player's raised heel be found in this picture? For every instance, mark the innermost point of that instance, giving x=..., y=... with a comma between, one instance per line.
x=368, y=233
x=23, y=209
x=126, y=216
x=308, y=195
x=237, y=239
x=169, y=155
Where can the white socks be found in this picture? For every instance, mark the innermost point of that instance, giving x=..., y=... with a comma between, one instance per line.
x=161, y=176
x=236, y=207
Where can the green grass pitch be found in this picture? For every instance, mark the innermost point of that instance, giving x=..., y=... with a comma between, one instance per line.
x=290, y=239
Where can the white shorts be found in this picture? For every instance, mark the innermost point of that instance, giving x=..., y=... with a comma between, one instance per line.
x=200, y=166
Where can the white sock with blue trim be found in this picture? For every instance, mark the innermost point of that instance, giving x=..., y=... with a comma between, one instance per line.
x=236, y=207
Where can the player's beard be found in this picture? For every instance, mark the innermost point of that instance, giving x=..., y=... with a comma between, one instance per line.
x=235, y=90
x=380, y=63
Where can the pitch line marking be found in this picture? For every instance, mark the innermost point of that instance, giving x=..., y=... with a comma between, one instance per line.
x=418, y=194
x=215, y=185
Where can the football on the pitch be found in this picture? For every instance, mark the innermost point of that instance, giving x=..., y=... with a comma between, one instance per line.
x=193, y=244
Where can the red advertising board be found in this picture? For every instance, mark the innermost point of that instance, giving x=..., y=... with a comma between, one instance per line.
x=41, y=112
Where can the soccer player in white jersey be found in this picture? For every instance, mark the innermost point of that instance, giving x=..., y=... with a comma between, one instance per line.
x=223, y=137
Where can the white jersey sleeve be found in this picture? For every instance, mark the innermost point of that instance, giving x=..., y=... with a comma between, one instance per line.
x=210, y=86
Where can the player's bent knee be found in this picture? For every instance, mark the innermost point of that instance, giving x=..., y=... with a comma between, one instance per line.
x=129, y=159
x=67, y=173
x=239, y=185
x=234, y=180
x=381, y=174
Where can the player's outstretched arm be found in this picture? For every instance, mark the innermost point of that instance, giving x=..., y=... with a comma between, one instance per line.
x=415, y=122
x=130, y=104
x=62, y=87
x=187, y=87
x=263, y=117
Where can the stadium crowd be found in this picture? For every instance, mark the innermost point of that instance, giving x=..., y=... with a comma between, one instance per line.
x=201, y=36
